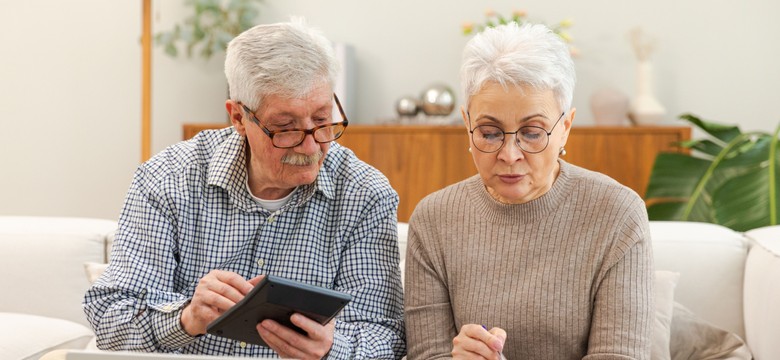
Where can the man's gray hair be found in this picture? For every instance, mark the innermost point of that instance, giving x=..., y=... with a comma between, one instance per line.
x=530, y=55
x=286, y=59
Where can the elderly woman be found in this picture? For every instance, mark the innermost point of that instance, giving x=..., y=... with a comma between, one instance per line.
x=533, y=258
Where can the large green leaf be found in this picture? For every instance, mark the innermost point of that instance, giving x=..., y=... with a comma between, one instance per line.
x=751, y=200
x=705, y=146
x=736, y=186
x=669, y=210
x=675, y=175
x=742, y=202
x=724, y=133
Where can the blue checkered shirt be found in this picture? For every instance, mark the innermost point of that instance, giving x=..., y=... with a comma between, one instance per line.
x=188, y=212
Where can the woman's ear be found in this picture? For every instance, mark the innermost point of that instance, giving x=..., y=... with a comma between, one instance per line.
x=567, y=122
x=236, y=116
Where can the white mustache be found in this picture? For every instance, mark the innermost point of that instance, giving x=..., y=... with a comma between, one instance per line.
x=302, y=160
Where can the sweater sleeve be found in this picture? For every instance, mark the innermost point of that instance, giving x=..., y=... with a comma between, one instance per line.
x=430, y=326
x=623, y=304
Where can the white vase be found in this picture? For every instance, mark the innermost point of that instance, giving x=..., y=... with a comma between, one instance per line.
x=645, y=108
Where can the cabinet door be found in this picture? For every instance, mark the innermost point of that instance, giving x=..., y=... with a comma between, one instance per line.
x=416, y=160
x=626, y=154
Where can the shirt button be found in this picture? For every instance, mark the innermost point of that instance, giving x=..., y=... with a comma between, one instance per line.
x=271, y=219
x=167, y=307
x=242, y=344
x=260, y=262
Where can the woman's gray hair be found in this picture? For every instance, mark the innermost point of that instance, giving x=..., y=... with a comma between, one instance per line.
x=530, y=54
x=286, y=59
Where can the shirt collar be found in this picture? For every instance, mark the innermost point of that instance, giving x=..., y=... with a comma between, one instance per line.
x=227, y=169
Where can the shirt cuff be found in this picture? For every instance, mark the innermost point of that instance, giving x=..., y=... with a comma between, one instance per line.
x=341, y=348
x=168, y=331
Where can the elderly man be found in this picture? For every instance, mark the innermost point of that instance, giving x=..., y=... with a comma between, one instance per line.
x=205, y=219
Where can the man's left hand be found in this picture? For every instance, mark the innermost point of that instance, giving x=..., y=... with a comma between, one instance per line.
x=290, y=344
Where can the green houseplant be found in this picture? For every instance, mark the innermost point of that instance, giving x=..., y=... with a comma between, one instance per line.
x=210, y=28
x=730, y=178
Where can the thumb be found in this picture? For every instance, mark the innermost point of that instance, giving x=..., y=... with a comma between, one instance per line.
x=500, y=334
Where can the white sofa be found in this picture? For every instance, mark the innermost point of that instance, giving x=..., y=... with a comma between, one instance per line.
x=43, y=282
x=729, y=279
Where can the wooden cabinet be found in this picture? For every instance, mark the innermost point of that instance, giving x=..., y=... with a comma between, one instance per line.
x=419, y=160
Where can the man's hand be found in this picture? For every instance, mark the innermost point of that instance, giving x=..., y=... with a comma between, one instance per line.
x=216, y=292
x=475, y=342
x=290, y=344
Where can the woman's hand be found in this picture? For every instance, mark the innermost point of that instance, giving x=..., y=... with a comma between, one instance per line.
x=476, y=342
x=216, y=292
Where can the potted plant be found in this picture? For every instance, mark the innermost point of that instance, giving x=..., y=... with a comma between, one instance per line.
x=210, y=28
x=730, y=178
x=493, y=19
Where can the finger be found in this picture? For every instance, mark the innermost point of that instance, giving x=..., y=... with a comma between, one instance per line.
x=278, y=339
x=207, y=295
x=501, y=335
x=234, y=280
x=480, y=333
x=256, y=280
x=311, y=327
x=466, y=347
x=274, y=341
x=475, y=339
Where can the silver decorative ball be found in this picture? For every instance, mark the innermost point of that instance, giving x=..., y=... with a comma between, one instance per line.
x=437, y=100
x=407, y=106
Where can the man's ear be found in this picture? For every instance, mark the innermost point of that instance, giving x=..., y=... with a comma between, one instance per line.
x=236, y=115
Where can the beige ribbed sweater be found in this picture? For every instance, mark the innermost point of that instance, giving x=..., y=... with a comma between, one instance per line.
x=566, y=275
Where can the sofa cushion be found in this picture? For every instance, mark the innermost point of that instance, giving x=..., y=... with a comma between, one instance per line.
x=25, y=336
x=762, y=291
x=94, y=270
x=664, y=284
x=694, y=338
x=710, y=259
x=46, y=257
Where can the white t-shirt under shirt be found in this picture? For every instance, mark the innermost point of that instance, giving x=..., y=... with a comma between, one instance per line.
x=271, y=205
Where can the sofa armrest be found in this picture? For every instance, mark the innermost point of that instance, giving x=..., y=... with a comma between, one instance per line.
x=711, y=261
x=762, y=293
x=46, y=256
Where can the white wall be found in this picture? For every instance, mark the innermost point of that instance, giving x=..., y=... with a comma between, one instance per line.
x=70, y=75
x=715, y=58
x=69, y=105
x=184, y=90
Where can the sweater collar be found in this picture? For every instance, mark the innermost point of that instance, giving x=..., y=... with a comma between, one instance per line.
x=534, y=210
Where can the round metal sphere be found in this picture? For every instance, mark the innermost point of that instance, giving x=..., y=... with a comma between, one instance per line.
x=407, y=106
x=437, y=100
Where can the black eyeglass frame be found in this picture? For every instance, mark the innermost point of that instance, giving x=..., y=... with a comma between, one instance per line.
x=344, y=121
x=517, y=139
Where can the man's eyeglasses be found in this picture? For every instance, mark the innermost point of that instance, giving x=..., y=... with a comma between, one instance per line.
x=285, y=139
x=530, y=139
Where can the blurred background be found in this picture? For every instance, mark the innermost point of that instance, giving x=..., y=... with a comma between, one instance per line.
x=70, y=75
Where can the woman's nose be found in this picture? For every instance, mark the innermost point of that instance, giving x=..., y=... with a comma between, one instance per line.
x=511, y=151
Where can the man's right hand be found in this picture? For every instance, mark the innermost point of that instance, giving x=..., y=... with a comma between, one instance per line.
x=216, y=292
